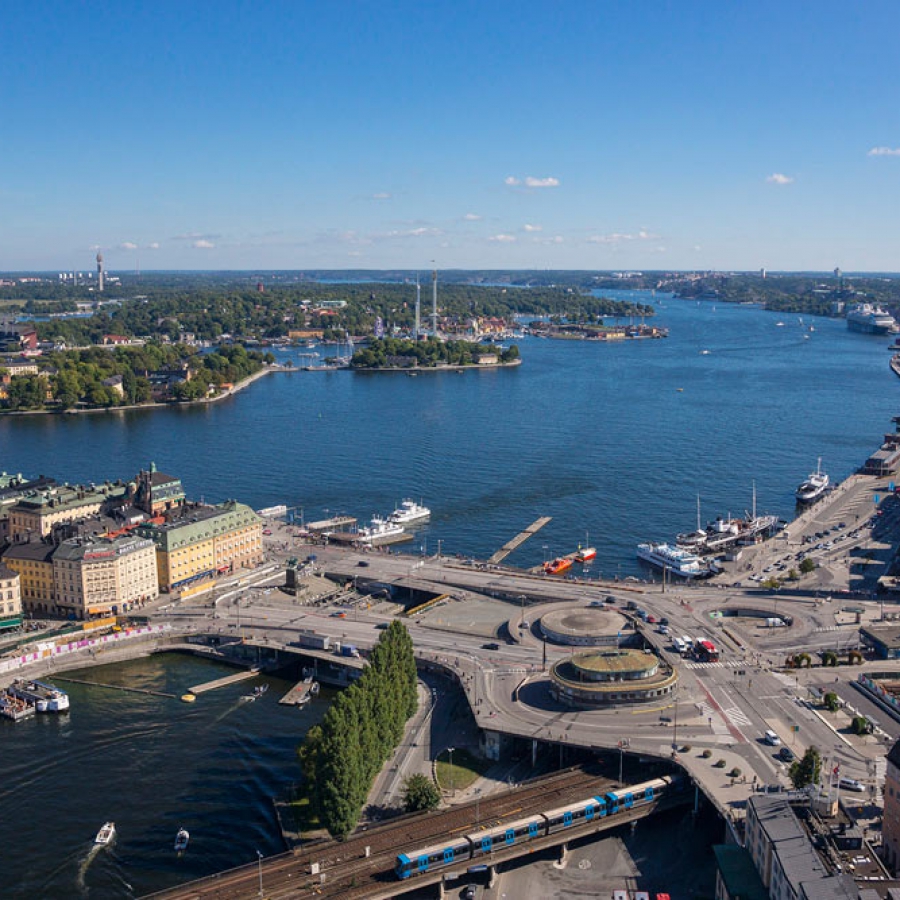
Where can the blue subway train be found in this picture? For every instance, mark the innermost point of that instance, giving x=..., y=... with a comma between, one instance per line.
x=483, y=843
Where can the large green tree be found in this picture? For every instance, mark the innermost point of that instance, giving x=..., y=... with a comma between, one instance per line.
x=420, y=793
x=807, y=769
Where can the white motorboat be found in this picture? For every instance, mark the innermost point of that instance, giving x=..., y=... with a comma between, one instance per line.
x=409, y=512
x=106, y=834
x=814, y=486
x=181, y=840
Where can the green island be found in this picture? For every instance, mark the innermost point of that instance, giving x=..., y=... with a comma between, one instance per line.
x=392, y=353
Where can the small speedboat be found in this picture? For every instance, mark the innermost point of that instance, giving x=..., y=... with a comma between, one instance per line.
x=106, y=834
x=181, y=840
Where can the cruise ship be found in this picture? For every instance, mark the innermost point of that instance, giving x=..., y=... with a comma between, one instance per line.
x=409, y=513
x=869, y=319
x=814, y=486
x=674, y=560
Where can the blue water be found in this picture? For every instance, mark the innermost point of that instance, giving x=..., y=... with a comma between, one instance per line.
x=151, y=765
x=614, y=441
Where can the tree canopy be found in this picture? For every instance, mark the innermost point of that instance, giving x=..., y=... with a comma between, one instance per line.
x=361, y=729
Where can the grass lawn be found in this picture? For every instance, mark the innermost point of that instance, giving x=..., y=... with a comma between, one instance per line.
x=465, y=770
x=306, y=821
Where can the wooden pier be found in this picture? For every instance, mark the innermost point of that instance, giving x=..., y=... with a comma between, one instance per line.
x=222, y=682
x=518, y=540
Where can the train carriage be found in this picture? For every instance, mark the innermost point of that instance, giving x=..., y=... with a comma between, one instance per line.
x=435, y=857
x=576, y=813
x=486, y=841
x=520, y=831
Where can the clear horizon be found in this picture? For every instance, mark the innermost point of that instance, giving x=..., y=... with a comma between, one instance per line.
x=653, y=136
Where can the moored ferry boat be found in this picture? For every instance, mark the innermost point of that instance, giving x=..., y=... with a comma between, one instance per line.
x=585, y=554
x=409, y=512
x=815, y=485
x=674, y=560
x=379, y=529
x=44, y=697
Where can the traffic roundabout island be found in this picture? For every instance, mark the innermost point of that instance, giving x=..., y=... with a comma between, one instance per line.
x=604, y=679
x=583, y=627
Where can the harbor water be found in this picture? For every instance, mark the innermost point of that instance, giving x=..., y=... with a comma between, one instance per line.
x=615, y=441
x=151, y=765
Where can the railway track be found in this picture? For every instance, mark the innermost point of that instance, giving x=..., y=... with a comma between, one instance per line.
x=363, y=864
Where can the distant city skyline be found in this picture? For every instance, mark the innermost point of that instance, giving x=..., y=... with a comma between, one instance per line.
x=587, y=135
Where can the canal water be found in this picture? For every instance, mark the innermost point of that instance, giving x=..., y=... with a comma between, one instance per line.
x=151, y=765
x=614, y=441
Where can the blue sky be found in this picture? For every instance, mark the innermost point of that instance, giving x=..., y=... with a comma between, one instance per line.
x=601, y=135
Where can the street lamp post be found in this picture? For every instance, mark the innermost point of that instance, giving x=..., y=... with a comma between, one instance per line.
x=260, y=872
x=450, y=754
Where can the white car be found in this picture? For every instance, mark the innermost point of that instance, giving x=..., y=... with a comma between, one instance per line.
x=851, y=784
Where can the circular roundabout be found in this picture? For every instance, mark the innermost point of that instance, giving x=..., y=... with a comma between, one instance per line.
x=600, y=679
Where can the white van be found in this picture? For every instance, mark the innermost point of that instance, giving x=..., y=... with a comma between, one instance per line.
x=678, y=644
x=688, y=642
x=771, y=739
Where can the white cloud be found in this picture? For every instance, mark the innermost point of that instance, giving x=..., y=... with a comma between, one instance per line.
x=778, y=178
x=381, y=195
x=556, y=239
x=618, y=237
x=128, y=245
x=195, y=236
x=531, y=182
x=697, y=247
x=472, y=217
x=502, y=238
x=528, y=227
x=203, y=244
x=421, y=231
x=884, y=151
x=153, y=246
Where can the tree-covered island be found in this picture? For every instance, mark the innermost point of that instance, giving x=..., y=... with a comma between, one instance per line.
x=431, y=353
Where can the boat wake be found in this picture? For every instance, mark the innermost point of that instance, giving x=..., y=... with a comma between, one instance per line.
x=83, y=867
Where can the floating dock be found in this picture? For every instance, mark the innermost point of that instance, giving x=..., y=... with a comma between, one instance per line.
x=223, y=682
x=518, y=540
x=338, y=523
x=300, y=693
x=15, y=708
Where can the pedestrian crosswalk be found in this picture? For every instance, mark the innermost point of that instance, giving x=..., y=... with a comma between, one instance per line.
x=737, y=716
x=721, y=664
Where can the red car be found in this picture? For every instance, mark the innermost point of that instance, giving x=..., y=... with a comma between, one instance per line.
x=651, y=620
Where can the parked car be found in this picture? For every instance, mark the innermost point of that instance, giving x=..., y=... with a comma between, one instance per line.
x=851, y=784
